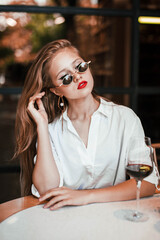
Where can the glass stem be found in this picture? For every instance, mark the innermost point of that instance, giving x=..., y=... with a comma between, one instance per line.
x=138, y=182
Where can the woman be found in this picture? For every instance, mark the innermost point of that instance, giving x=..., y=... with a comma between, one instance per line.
x=72, y=143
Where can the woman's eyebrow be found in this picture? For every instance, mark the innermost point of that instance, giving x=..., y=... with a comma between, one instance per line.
x=66, y=68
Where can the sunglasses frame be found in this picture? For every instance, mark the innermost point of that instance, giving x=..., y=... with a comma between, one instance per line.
x=77, y=71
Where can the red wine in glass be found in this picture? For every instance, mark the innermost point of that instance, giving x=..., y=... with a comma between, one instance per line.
x=139, y=171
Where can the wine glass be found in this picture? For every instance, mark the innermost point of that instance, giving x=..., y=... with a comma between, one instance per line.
x=140, y=165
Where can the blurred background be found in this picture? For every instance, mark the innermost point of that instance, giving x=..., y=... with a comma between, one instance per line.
x=123, y=47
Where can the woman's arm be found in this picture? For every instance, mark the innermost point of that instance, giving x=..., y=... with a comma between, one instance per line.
x=60, y=197
x=45, y=174
x=123, y=191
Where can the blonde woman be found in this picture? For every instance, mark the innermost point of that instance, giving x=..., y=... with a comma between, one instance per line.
x=72, y=143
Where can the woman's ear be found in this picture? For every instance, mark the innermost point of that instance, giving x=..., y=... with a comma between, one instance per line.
x=55, y=91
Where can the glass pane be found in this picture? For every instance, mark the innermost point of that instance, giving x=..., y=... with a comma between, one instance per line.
x=8, y=106
x=21, y=37
x=10, y=186
x=10, y=183
x=150, y=4
x=106, y=42
x=149, y=70
x=103, y=40
x=123, y=99
x=119, y=4
x=80, y=3
x=26, y=2
x=149, y=113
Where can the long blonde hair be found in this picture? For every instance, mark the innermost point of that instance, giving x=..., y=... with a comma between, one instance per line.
x=37, y=80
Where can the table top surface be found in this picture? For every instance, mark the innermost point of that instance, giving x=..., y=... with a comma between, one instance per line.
x=11, y=207
x=26, y=219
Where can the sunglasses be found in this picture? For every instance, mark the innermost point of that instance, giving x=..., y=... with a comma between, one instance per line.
x=68, y=78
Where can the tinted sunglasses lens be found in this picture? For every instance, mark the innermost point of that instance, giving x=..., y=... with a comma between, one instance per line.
x=67, y=79
x=83, y=67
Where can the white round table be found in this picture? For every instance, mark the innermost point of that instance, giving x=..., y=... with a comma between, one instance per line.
x=90, y=222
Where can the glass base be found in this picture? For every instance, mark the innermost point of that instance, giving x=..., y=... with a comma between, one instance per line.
x=136, y=216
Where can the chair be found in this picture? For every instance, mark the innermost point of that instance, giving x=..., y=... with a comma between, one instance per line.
x=156, y=146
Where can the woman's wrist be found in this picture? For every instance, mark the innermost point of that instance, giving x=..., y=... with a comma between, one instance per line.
x=92, y=195
x=41, y=127
x=97, y=195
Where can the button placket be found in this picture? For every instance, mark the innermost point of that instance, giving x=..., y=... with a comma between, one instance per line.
x=92, y=138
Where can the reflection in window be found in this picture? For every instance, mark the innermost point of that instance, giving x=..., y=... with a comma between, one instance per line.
x=79, y=3
x=20, y=42
x=98, y=38
x=149, y=72
x=123, y=99
x=149, y=113
x=150, y=4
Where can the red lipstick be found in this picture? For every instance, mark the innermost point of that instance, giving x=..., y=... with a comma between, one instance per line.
x=82, y=84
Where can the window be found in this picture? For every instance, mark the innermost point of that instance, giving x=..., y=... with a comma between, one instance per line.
x=124, y=54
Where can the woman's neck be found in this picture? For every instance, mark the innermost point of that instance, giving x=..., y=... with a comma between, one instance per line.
x=82, y=108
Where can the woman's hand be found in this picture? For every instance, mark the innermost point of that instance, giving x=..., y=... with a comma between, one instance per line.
x=63, y=196
x=40, y=115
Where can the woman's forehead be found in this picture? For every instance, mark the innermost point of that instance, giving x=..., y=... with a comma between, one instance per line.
x=65, y=57
x=66, y=53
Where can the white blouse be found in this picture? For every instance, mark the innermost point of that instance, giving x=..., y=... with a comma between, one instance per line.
x=102, y=163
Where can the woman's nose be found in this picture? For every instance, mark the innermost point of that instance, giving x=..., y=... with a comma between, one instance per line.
x=76, y=77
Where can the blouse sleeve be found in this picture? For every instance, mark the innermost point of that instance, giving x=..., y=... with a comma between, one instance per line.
x=34, y=191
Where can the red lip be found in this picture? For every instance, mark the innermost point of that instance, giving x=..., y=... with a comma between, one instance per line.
x=82, y=85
